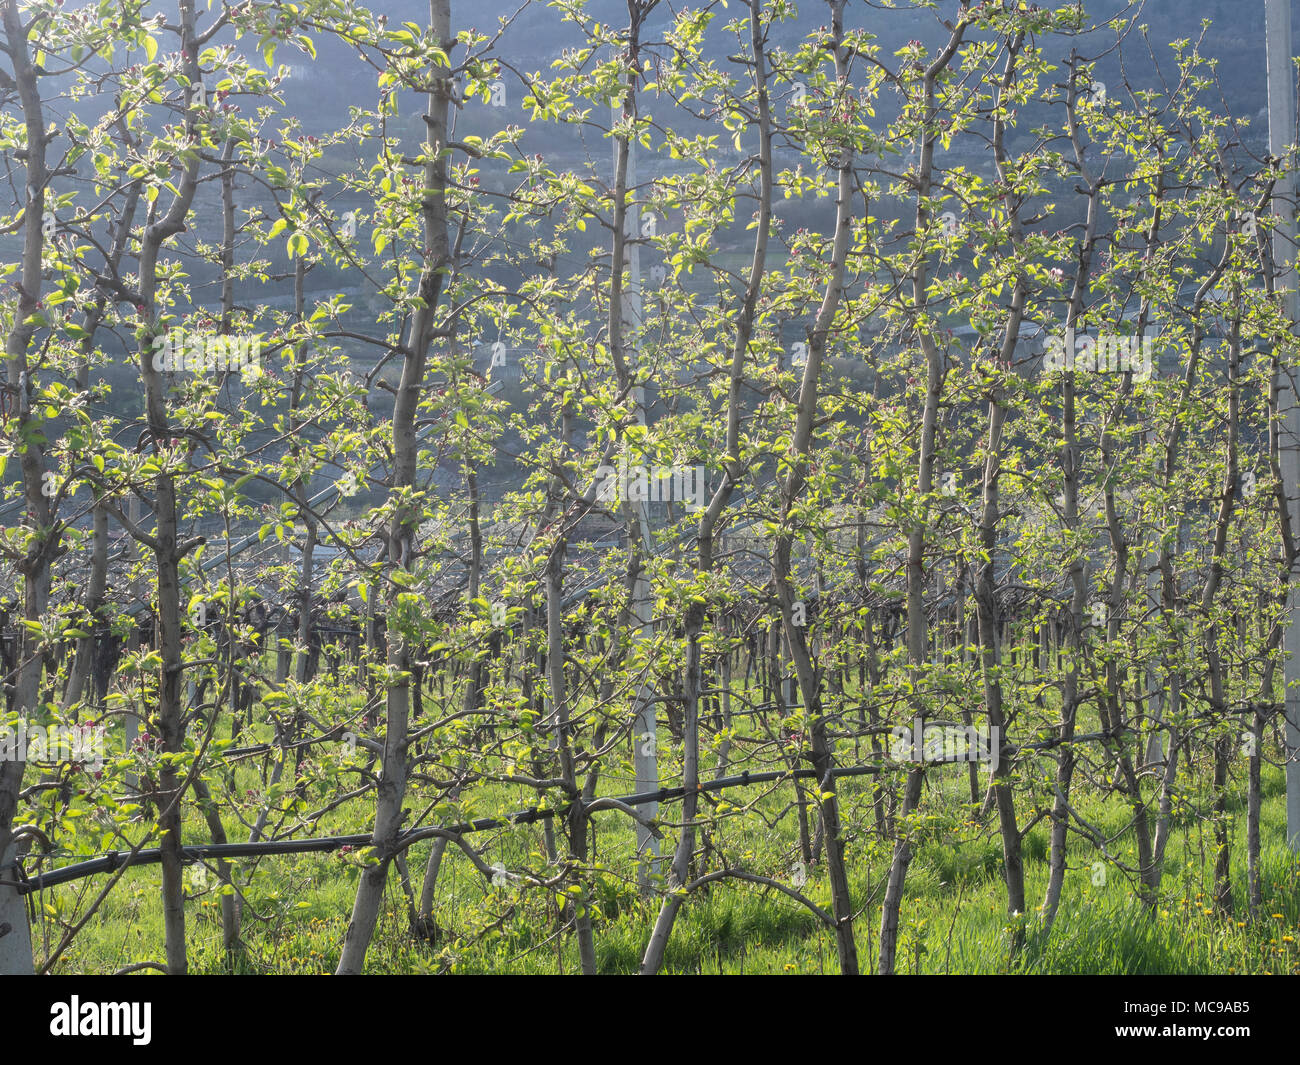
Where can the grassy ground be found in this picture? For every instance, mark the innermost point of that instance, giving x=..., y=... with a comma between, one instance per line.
x=953, y=920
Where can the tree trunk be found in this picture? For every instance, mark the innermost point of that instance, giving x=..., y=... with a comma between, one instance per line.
x=406, y=519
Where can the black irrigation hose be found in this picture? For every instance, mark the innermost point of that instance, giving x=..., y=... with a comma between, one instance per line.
x=114, y=860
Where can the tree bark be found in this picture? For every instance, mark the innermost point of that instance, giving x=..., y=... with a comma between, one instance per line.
x=406, y=519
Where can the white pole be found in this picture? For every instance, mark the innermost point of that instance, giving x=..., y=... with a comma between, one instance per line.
x=645, y=752
x=15, y=934
x=1155, y=694
x=1281, y=134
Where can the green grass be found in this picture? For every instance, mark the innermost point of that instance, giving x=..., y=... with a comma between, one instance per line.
x=953, y=920
x=954, y=917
